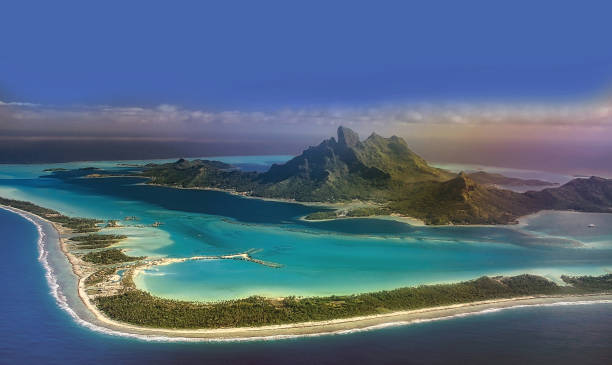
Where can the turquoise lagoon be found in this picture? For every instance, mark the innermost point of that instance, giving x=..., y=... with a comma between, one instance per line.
x=318, y=258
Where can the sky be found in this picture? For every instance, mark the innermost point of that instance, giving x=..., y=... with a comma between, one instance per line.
x=459, y=80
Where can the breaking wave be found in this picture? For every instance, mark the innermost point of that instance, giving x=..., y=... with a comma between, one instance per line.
x=62, y=302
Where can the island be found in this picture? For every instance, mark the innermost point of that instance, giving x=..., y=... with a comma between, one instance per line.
x=353, y=178
x=387, y=178
x=106, y=287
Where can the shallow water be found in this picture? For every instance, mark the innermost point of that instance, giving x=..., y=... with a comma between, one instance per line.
x=33, y=329
x=317, y=258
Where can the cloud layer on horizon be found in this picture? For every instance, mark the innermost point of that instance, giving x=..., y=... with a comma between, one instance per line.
x=170, y=122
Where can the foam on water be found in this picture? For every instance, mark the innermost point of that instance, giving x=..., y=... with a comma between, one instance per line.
x=320, y=258
x=61, y=300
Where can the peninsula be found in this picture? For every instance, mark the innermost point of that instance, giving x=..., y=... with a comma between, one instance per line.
x=106, y=288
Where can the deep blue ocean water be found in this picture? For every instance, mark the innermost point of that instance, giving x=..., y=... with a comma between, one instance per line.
x=33, y=329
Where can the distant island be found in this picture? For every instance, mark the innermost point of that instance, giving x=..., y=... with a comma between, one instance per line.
x=486, y=178
x=393, y=179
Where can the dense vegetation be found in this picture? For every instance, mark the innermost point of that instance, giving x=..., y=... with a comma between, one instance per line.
x=79, y=225
x=200, y=173
x=93, y=241
x=594, y=283
x=462, y=201
x=331, y=214
x=110, y=256
x=386, y=171
x=367, y=211
x=332, y=171
x=141, y=308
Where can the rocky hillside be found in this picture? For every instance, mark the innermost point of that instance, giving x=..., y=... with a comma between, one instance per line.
x=347, y=169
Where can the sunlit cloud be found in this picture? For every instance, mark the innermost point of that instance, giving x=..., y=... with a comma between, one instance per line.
x=570, y=137
x=172, y=121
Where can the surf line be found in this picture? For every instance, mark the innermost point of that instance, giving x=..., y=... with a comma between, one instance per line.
x=55, y=291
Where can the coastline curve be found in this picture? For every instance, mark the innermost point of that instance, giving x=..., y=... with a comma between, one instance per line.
x=278, y=332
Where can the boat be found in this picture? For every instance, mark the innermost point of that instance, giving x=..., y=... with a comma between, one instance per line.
x=591, y=225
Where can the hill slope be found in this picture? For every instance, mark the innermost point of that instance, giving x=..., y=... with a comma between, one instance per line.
x=347, y=169
x=462, y=201
x=487, y=178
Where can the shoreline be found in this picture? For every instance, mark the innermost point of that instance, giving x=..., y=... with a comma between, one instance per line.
x=246, y=196
x=520, y=221
x=348, y=325
x=412, y=221
x=392, y=217
x=318, y=328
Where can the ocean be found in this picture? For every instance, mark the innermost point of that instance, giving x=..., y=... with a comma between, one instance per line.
x=318, y=258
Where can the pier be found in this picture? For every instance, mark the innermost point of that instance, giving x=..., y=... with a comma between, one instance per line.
x=244, y=256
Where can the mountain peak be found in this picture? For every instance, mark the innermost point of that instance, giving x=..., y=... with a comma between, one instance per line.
x=463, y=180
x=347, y=137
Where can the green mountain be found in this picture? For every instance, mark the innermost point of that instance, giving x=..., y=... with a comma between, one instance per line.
x=387, y=172
x=200, y=173
x=461, y=201
x=592, y=195
x=348, y=169
x=335, y=170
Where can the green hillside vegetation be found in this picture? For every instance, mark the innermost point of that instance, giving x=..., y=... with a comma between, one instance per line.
x=387, y=172
x=332, y=171
x=93, y=241
x=592, y=195
x=200, y=173
x=328, y=214
x=461, y=201
x=592, y=283
x=140, y=308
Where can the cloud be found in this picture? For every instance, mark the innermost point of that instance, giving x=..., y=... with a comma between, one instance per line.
x=172, y=121
x=13, y=103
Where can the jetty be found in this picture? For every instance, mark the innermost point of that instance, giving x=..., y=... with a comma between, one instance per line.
x=244, y=256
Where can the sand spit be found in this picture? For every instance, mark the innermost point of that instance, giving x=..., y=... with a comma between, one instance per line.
x=330, y=327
